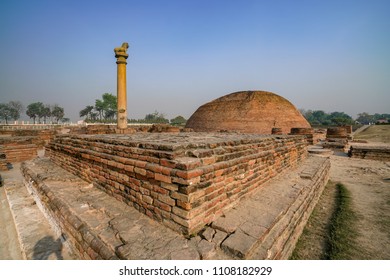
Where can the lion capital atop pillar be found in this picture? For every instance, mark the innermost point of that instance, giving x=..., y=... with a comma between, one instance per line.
x=121, y=56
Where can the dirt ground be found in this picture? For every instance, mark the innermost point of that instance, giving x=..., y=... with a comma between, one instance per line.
x=369, y=184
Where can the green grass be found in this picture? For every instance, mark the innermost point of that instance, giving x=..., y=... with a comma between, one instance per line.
x=342, y=232
x=337, y=235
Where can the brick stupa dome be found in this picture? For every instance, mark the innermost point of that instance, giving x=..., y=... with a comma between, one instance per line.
x=247, y=112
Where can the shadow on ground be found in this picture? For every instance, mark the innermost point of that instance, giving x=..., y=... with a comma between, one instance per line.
x=47, y=246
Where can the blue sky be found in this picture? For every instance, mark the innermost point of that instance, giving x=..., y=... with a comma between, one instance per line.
x=327, y=55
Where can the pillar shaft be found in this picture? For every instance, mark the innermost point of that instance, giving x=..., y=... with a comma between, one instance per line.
x=121, y=55
x=121, y=96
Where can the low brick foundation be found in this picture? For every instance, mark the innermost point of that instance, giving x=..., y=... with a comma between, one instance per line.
x=379, y=152
x=17, y=149
x=182, y=180
x=307, y=132
x=41, y=136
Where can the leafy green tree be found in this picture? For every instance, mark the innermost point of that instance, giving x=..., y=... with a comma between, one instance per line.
x=110, y=105
x=319, y=117
x=46, y=112
x=365, y=118
x=99, y=107
x=340, y=118
x=179, y=120
x=87, y=112
x=156, y=117
x=381, y=117
x=17, y=109
x=58, y=113
x=35, y=110
x=7, y=112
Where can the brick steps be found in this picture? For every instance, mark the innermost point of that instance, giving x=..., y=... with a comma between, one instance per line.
x=280, y=241
x=279, y=211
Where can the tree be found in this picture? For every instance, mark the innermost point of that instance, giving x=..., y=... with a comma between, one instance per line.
x=156, y=117
x=365, y=118
x=87, y=112
x=110, y=105
x=7, y=112
x=340, y=118
x=17, y=108
x=319, y=117
x=58, y=113
x=46, y=112
x=99, y=107
x=35, y=110
x=179, y=120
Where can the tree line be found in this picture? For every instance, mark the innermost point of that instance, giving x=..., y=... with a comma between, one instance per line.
x=321, y=118
x=104, y=111
x=37, y=111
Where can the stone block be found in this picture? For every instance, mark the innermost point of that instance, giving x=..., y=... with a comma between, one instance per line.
x=208, y=234
x=239, y=244
x=206, y=250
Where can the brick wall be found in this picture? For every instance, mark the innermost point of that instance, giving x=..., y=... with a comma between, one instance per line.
x=17, y=149
x=183, y=180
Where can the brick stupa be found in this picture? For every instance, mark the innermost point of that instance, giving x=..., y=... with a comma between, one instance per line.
x=247, y=112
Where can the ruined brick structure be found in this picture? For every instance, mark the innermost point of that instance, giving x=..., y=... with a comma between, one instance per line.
x=375, y=152
x=337, y=138
x=41, y=136
x=308, y=132
x=17, y=149
x=183, y=180
x=247, y=112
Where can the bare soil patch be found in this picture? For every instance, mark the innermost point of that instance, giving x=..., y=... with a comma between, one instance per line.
x=368, y=182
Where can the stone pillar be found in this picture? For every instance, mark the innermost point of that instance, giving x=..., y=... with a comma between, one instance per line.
x=121, y=56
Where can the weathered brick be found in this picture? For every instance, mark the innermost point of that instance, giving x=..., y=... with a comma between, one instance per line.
x=180, y=196
x=154, y=167
x=181, y=213
x=166, y=199
x=147, y=199
x=162, y=178
x=140, y=171
x=169, y=186
x=184, y=205
x=168, y=163
x=129, y=168
x=162, y=205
